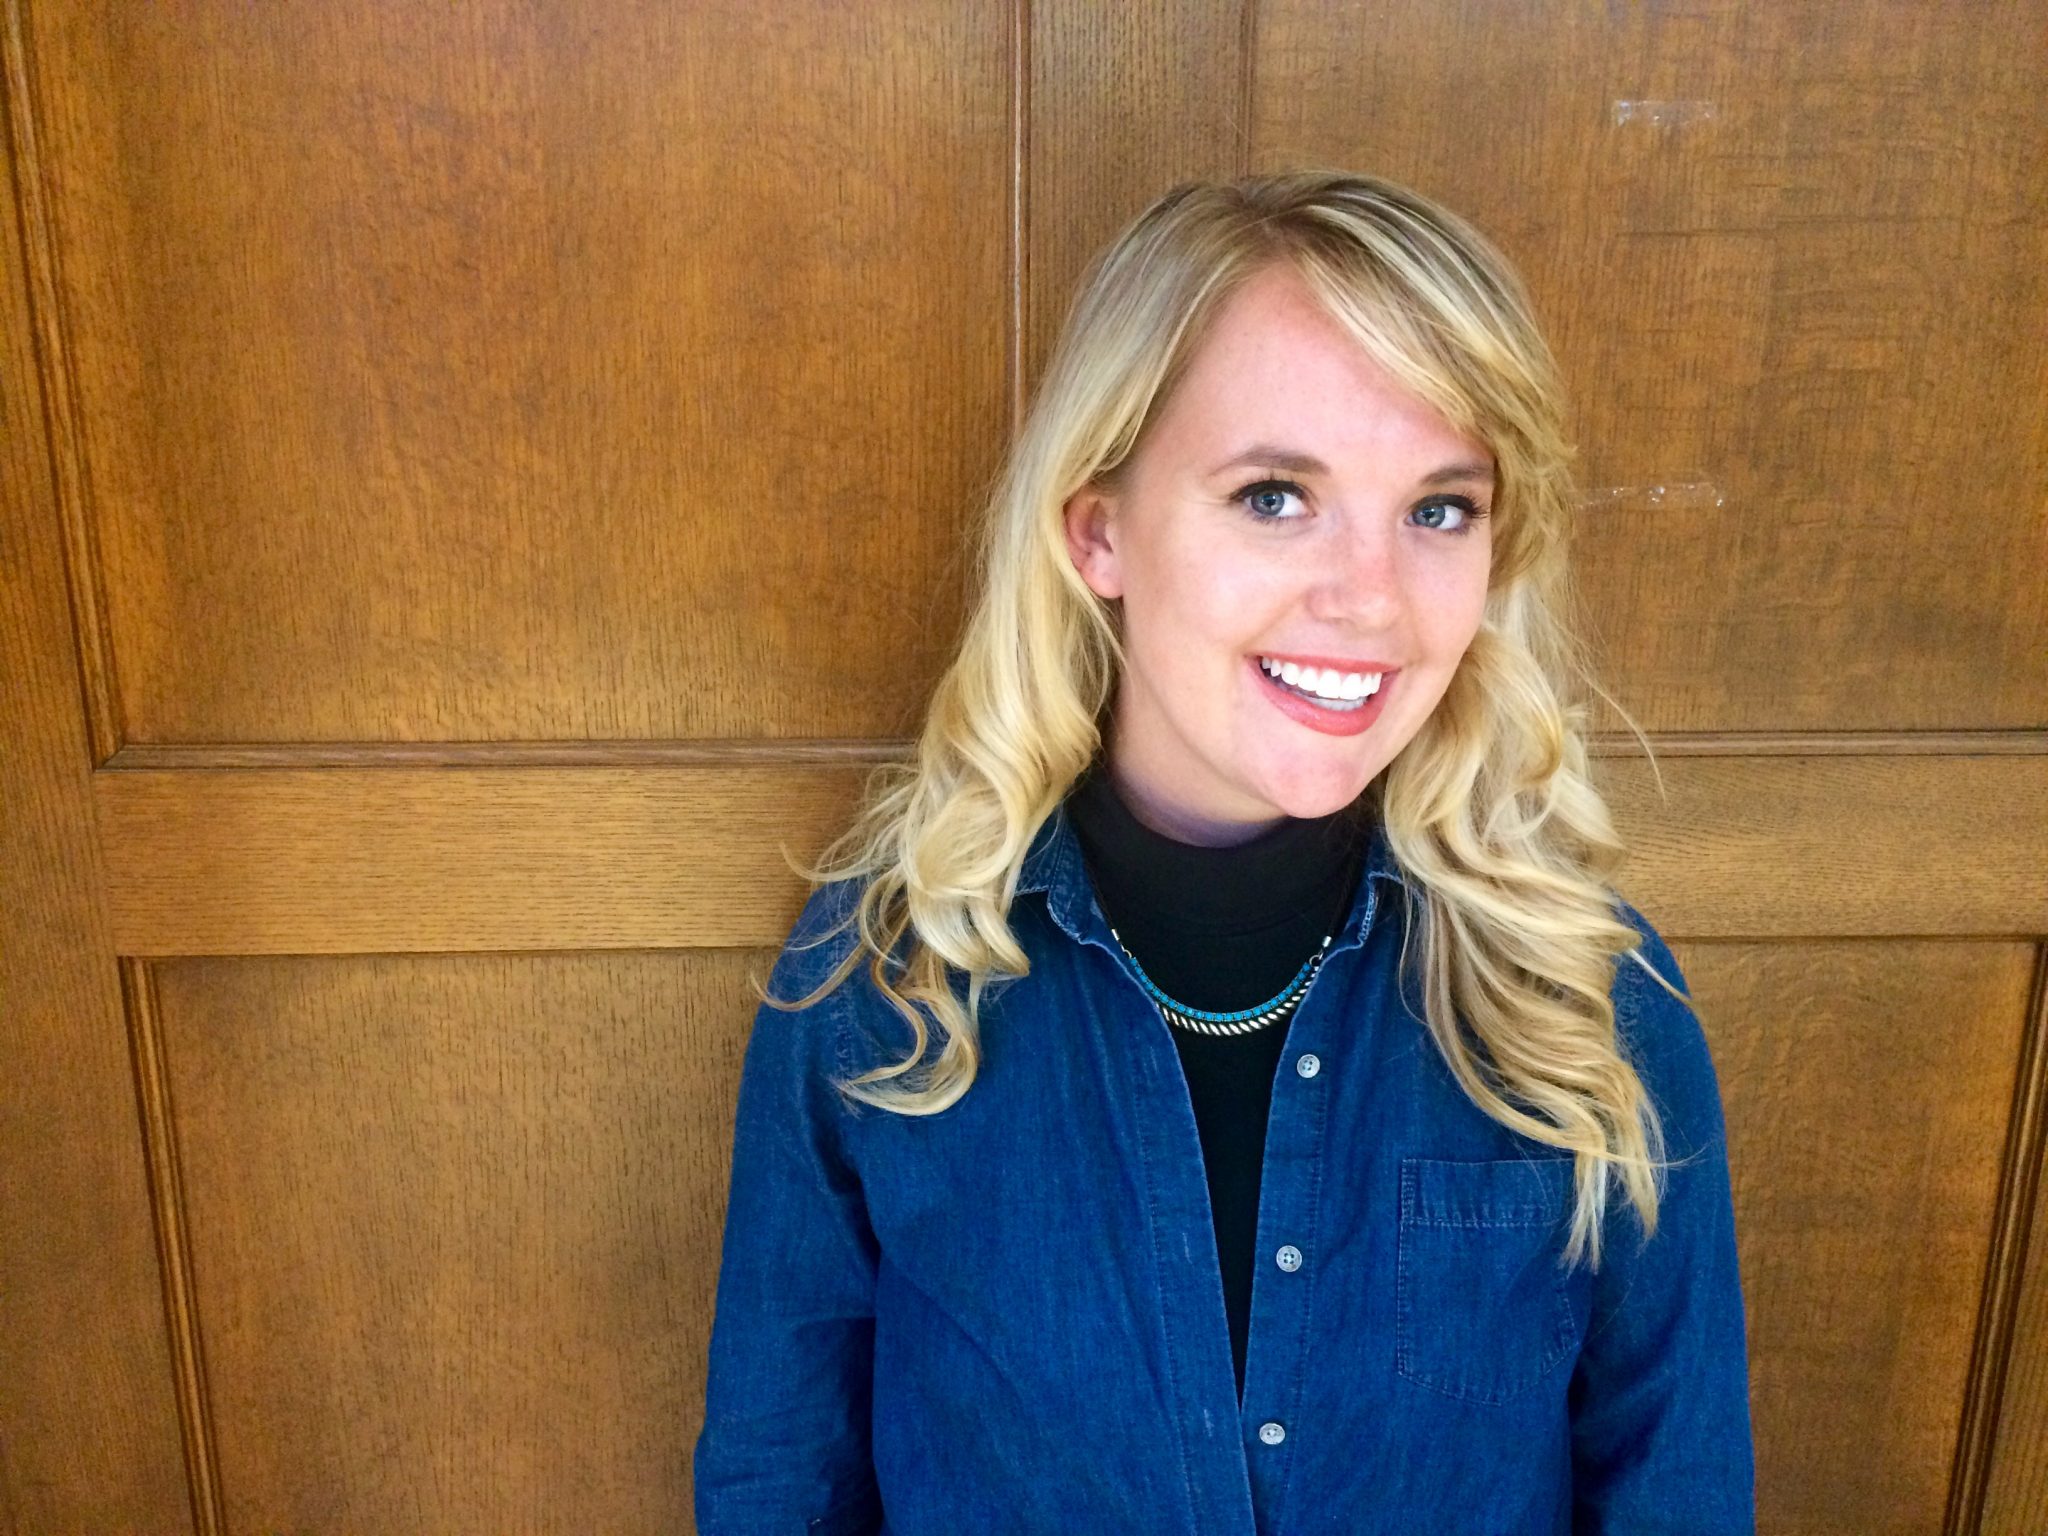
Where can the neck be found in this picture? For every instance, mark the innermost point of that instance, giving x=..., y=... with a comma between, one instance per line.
x=1180, y=825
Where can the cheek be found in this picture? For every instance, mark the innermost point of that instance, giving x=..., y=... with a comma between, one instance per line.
x=1211, y=592
x=1457, y=604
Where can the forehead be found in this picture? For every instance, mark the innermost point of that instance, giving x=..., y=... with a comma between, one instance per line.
x=1275, y=366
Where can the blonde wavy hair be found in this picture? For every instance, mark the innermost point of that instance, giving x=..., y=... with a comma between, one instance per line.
x=1489, y=809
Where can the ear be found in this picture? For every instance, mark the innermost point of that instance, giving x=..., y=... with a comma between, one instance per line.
x=1091, y=521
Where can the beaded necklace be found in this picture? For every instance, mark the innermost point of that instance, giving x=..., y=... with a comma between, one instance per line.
x=1244, y=1020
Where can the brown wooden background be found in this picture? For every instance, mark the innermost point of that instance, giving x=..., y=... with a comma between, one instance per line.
x=478, y=478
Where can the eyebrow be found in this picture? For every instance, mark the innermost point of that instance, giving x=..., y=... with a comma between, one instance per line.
x=1295, y=462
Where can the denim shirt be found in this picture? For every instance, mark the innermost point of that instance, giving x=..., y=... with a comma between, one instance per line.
x=1009, y=1317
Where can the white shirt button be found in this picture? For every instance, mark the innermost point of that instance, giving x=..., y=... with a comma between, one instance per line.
x=1271, y=1433
x=1308, y=1065
x=1288, y=1258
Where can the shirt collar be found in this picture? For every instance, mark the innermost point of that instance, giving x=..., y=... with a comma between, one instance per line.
x=1054, y=865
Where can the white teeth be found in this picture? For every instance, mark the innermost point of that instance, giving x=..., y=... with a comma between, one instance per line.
x=1327, y=684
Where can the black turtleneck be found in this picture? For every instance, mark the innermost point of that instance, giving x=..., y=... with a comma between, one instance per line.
x=1222, y=929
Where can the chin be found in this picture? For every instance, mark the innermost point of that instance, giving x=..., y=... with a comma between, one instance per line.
x=1306, y=803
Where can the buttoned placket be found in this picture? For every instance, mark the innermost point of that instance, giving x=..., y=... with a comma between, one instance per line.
x=1233, y=1447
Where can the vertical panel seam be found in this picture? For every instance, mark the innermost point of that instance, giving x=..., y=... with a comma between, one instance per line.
x=1247, y=69
x=1020, y=205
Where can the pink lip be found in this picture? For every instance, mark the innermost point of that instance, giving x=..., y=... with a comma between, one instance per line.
x=1331, y=722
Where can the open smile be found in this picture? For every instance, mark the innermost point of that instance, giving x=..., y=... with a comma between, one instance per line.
x=1331, y=716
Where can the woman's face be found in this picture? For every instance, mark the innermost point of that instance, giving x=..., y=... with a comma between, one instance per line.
x=1291, y=503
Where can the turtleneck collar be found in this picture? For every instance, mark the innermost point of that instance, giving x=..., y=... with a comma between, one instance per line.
x=1297, y=866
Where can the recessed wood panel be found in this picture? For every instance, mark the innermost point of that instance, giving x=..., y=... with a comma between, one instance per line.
x=1867, y=1089
x=1794, y=262
x=383, y=861
x=491, y=373
x=1838, y=845
x=454, y=1226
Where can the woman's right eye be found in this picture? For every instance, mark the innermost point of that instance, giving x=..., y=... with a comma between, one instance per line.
x=1265, y=500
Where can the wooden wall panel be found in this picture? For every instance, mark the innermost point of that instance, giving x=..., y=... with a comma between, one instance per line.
x=367, y=859
x=1867, y=1087
x=473, y=434
x=302, y=861
x=487, y=373
x=1823, y=839
x=1795, y=264
x=455, y=1224
x=1124, y=101
x=89, y=1423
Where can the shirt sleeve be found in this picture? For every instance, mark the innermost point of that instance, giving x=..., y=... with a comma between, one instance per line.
x=1661, y=1439
x=785, y=1444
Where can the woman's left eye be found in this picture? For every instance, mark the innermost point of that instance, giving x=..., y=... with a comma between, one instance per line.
x=1468, y=510
x=1260, y=497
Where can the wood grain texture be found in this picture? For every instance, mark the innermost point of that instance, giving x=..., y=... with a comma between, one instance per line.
x=182, y=1325
x=45, y=383
x=442, y=1207
x=1839, y=845
x=1867, y=1088
x=383, y=860
x=89, y=1435
x=455, y=1223
x=1795, y=264
x=479, y=439
x=1125, y=101
x=487, y=373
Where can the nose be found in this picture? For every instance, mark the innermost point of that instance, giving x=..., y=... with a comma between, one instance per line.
x=1359, y=580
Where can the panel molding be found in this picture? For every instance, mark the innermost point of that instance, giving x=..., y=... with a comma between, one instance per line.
x=1999, y=1446
x=461, y=857
x=71, y=483
x=414, y=754
x=1830, y=744
x=174, y=1245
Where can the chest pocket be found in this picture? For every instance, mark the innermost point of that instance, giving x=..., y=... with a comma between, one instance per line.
x=1484, y=1309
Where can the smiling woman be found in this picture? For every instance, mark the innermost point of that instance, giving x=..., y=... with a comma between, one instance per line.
x=1268, y=674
